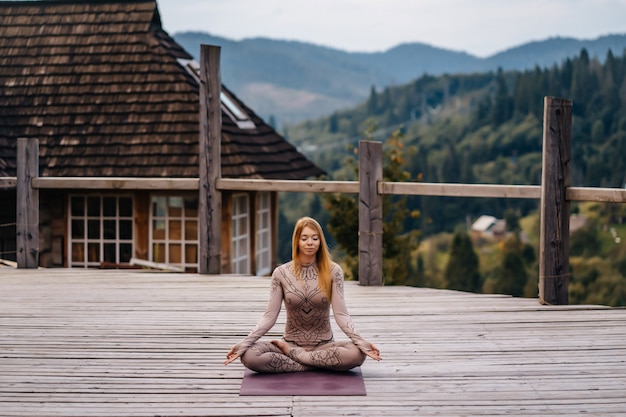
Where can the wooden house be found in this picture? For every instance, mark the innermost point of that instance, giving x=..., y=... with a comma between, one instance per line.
x=108, y=93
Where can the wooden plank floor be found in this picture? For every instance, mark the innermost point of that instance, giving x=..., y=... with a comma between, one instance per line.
x=131, y=343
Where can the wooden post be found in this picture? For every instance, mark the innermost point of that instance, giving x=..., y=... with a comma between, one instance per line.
x=27, y=237
x=210, y=201
x=554, y=233
x=370, y=213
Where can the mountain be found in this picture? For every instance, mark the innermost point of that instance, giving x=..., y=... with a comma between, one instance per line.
x=293, y=81
x=554, y=51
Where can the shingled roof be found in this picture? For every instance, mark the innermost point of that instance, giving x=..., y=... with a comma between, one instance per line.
x=105, y=90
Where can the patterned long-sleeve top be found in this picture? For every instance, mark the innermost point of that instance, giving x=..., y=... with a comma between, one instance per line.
x=308, y=309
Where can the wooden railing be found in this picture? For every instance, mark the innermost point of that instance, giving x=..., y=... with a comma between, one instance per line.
x=555, y=192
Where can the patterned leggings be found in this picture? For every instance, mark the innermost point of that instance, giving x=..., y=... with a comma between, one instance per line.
x=337, y=356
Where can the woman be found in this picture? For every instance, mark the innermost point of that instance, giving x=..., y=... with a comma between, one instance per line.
x=308, y=285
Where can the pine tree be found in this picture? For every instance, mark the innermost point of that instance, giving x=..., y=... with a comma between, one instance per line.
x=462, y=270
x=451, y=168
x=510, y=276
x=333, y=123
x=502, y=103
x=511, y=219
x=372, y=102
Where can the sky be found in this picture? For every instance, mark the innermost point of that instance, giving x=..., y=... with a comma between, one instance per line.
x=479, y=27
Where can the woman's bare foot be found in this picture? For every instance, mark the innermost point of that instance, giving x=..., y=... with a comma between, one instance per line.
x=284, y=347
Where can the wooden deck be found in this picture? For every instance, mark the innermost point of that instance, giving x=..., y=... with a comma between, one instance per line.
x=132, y=343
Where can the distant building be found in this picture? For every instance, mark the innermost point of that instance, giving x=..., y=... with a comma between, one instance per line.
x=484, y=224
x=489, y=227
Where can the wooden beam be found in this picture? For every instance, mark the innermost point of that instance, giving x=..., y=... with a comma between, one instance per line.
x=120, y=183
x=370, y=213
x=274, y=237
x=27, y=237
x=554, y=229
x=605, y=195
x=305, y=186
x=460, y=190
x=8, y=182
x=210, y=201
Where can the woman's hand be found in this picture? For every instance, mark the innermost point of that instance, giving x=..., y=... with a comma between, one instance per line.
x=373, y=353
x=231, y=355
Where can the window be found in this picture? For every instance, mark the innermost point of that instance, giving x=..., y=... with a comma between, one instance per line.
x=240, y=244
x=100, y=229
x=174, y=231
x=229, y=105
x=263, y=234
x=235, y=112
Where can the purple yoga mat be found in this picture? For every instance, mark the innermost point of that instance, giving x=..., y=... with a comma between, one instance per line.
x=317, y=382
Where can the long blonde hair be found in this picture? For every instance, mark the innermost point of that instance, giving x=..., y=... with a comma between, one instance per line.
x=322, y=257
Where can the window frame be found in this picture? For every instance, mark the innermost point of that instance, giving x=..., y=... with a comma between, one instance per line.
x=184, y=241
x=237, y=239
x=87, y=239
x=263, y=254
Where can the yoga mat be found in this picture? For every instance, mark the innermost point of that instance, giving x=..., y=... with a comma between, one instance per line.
x=318, y=382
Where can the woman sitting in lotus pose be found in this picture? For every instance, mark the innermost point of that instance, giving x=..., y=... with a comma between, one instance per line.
x=308, y=285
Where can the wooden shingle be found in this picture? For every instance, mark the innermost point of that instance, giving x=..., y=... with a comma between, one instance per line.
x=101, y=86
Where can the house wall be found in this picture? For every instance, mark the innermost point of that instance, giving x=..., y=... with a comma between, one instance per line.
x=7, y=225
x=54, y=231
x=227, y=231
x=52, y=228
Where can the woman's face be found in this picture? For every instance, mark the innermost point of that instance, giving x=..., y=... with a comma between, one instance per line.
x=309, y=241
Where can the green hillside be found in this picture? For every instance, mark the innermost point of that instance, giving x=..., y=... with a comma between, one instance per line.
x=487, y=128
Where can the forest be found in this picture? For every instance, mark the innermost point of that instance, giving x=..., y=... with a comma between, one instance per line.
x=481, y=128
